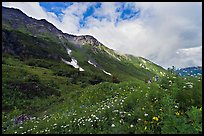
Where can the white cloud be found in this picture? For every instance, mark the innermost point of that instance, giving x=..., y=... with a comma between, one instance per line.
x=188, y=57
x=161, y=30
x=108, y=10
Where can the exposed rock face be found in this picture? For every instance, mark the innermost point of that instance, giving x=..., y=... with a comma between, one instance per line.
x=87, y=39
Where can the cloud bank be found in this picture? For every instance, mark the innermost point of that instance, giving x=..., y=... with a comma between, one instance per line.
x=165, y=33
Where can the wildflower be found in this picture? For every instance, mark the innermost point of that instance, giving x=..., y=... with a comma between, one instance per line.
x=155, y=118
x=145, y=114
x=200, y=109
x=190, y=86
x=131, y=125
x=145, y=128
x=115, y=111
x=177, y=113
x=121, y=120
x=143, y=108
x=176, y=106
x=112, y=125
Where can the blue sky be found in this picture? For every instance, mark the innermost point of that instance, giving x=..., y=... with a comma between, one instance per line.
x=126, y=12
x=55, y=7
x=165, y=33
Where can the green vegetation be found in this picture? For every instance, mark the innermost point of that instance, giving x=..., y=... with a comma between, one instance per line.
x=171, y=105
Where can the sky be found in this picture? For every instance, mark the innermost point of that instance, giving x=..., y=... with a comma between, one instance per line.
x=168, y=33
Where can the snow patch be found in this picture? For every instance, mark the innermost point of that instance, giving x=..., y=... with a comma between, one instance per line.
x=107, y=73
x=81, y=69
x=69, y=51
x=99, y=68
x=73, y=62
x=92, y=63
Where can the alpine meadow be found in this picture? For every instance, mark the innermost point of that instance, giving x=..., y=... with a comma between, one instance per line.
x=59, y=83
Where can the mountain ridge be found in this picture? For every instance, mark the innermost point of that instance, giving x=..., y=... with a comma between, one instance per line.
x=46, y=31
x=189, y=71
x=82, y=39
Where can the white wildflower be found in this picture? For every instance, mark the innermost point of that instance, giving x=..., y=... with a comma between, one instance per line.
x=145, y=114
x=190, y=86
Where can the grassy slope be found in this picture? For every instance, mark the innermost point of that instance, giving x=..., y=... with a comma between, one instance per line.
x=123, y=106
x=99, y=106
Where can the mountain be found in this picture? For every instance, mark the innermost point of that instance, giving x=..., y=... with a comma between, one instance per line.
x=50, y=43
x=190, y=71
x=54, y=82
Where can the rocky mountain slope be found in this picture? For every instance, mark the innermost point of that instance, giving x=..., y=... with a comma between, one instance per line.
x=31, y=38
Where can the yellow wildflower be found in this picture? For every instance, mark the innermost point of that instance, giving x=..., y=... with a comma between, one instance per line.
x=177, y=113
x=155, y=118
x=143, y=108
x=200, y=109
x=145, y=127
